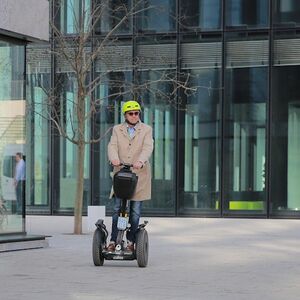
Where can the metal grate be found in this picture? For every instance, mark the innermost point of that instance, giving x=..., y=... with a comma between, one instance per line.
x=38, y=60
x=247, y=53
x=286, y=52
x=201, y=55
x=158, y=56
x=114, y=58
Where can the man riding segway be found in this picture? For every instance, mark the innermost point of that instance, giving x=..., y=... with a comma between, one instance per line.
x=131, y=143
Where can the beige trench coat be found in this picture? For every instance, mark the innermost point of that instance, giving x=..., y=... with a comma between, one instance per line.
x=131, y=150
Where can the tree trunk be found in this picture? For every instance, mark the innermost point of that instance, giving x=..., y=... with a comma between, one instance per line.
x=79, y=190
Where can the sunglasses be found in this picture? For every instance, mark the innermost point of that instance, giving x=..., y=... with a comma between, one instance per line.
x=136, y=113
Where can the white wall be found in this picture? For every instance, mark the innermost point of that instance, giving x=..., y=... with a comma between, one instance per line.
x=27, y=19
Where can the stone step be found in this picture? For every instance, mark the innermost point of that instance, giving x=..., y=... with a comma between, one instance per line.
x=22, y=242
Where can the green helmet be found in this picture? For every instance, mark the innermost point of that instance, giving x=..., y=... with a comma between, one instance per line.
x=130, y=105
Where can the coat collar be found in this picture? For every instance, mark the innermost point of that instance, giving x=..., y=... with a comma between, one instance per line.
x=138, y=128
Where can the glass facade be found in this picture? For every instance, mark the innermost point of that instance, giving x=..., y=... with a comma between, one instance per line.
x=115, y=70
x=286, y=13
x=246, y=97
x=285, y=125
x=247, y=13
x=38, y=159
x=226, y=142
x=204, y=14
x=70, y=13
x=200, y=130
x=159, y=113
x=114, y=15
x=156, y=16
x=12, y=137
x=156, y=69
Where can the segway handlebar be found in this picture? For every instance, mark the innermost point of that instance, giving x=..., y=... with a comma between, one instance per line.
x=126, y=165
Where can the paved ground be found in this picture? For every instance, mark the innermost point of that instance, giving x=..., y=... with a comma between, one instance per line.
x=189, y=259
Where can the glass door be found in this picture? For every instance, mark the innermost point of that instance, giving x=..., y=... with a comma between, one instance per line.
x=285, y=142
x=200, y=128
x=246, y=94
x=12, y=138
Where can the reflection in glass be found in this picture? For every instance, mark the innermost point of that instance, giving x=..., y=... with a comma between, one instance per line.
x=156, y=91
x=246, y=95
x=115, y=89
x=286, y=13
x=12, y=138
x=201, y=142
x=245, y=139
x=114, y=15
x=68, y=150
x=247, y=13
x=293, y=201
x=113, y=70
x=285, y=143
x=157, y=15
x=38, y=85
x=159, y=113
x=72, y=13
x=205, y=14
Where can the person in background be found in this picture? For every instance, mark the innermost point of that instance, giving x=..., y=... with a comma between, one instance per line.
x=19, y=182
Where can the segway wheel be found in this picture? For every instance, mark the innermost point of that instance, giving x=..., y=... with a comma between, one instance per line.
x=142, y=247
x=98, y=248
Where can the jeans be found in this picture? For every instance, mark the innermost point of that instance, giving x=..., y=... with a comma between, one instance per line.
x=135, y=208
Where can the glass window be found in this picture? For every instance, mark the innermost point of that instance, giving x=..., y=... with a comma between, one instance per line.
x=12, y=137
x=114, y=89
x=285, y=143
x=71, y=14
x=157, y=16
x=204, y=14
x=68, y=151
x=156, y=92
x=159, y=113
x=114, y=15
x=9, y=165
x=113, y=78
x=246, y=95
x=286, y=13
x=200, y=117
x=11, y=71
x=247, y=13
x=38, y=137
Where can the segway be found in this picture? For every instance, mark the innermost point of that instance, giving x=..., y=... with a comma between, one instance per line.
x=124, y=184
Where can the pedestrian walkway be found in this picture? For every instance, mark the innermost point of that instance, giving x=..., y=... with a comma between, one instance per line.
x=190, y=258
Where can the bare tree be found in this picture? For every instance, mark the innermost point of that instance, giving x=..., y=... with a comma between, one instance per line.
x=80, y=58
x=75, y=53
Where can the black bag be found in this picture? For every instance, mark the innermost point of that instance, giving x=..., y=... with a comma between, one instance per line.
x=124, y=183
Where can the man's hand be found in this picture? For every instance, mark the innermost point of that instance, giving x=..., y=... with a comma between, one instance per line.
x=138, y=165
x=115, y=163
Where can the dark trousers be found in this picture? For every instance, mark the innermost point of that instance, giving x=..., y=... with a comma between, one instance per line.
x=20, y=193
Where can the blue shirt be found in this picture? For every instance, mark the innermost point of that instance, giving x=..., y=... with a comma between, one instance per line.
x=20, y=170
x=131, y=130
